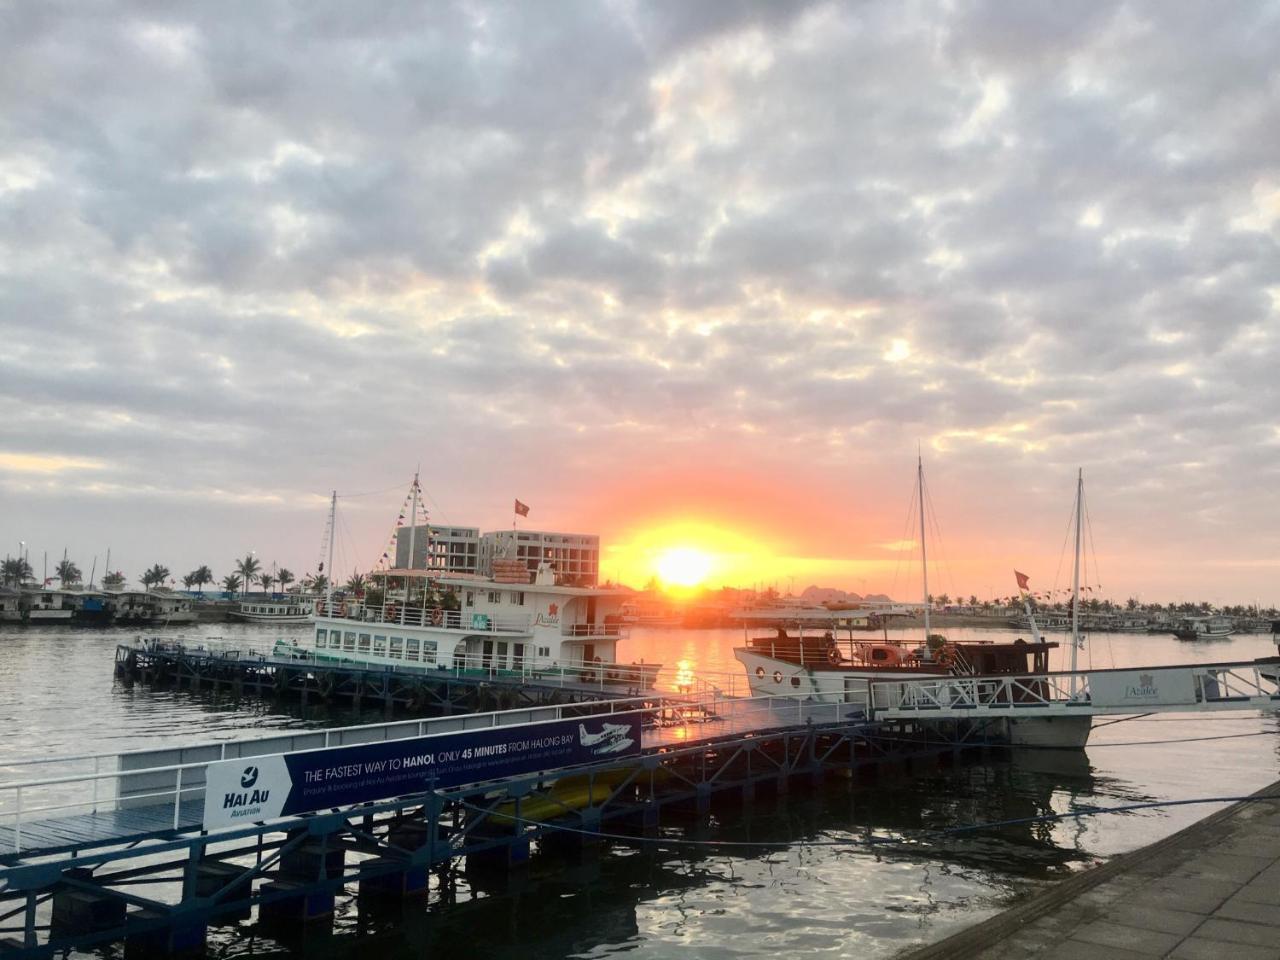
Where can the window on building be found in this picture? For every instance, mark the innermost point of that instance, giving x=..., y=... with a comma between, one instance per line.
x=364, y=643
x=519, y=598
x=349, y=641
x=495, y=596
x=411, y=648
x=428, y=651
x=379, y=646
x=471, y=598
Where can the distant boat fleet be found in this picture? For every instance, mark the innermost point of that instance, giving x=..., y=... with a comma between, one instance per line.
x=127, y=608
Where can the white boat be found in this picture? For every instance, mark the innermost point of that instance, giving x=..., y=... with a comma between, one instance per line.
x=10, y=606
x=168, y=607
x=502, y=624
x=1203, y=628
x=292, y=610
x=823, y=666
x=48, y=607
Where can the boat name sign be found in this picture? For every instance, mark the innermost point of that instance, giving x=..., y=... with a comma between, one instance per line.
x=249, y=789
x=1122, y=688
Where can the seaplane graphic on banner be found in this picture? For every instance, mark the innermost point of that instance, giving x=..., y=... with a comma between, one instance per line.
x=612, y=738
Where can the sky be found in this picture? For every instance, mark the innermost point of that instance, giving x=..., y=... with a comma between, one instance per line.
x=684, y=275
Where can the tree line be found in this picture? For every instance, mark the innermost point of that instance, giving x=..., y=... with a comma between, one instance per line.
x=248, y=572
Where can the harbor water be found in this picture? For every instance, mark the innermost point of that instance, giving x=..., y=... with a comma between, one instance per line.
x=808, y=883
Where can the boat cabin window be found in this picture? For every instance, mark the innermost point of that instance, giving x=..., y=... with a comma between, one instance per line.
x=364, y=643
x=428, y=651
x=795, y=681
x=397, y=648
x=495, y=596
x=544, y=651
x=879, y=653
x=518, y=598
x=322, y=637
x=380, y=646
x=349, y=641
x=411, y=648
x=471, y=598
x=335, y=639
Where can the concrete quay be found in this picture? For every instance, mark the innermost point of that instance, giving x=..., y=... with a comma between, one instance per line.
x=1208, y=892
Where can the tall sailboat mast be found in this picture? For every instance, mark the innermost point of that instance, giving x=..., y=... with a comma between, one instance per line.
x=924, y=554
x=1075, y=581
x=333, y=530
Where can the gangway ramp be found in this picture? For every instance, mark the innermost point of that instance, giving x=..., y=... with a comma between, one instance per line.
x=1188, y=688
x=78, y=803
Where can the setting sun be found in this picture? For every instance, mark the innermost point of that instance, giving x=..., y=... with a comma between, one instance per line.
x=683, y=567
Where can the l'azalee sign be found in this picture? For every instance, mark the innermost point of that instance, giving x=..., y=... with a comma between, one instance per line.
x=1146, y=688
x=263, y=788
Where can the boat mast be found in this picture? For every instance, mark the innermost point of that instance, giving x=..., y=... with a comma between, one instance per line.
x=333, y=529
x=1075, y=583
x=924, y=554
x=413, y=518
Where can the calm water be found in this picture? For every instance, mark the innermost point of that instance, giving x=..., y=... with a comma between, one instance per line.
x=57, y=696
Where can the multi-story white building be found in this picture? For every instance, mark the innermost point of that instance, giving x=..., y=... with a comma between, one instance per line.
x=574, y=557
x=448, y=549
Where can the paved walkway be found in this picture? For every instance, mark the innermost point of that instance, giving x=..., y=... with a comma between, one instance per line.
x=1209, y=892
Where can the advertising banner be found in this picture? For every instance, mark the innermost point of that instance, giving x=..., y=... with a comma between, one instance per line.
x=1142, y=688
x=262, y=788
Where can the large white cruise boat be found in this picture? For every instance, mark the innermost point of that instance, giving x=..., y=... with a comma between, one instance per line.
x=512, y=622
x=433, y=619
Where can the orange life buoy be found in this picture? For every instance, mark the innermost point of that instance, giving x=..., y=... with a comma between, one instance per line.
x=437, y=616
x=342, y=609
x=886, y=655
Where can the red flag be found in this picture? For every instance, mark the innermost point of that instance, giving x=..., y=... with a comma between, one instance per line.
x=1024, y=582
x=522, y=508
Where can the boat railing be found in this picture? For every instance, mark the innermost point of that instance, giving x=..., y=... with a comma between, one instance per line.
x=392, y=613
x=595, y=629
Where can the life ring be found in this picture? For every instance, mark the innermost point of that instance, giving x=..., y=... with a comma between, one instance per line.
x=392, y=612
x=342, y=609
x=437, y=617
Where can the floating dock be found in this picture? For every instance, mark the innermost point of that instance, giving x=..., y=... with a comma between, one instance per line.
x=1210, y=891
x=240, y=672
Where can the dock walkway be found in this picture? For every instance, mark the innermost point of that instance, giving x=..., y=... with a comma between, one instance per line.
x=1208, y=892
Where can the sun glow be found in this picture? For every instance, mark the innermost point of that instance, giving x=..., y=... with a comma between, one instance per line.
x=683, y=566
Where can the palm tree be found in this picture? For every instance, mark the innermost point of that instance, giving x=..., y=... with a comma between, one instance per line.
x=284, y=578
x=200, y=576
x=317, y=584
x=944, y=599
x=266, y=579
x=189, y=581
x=355, y=582
x=68, y=572
x=16, y=571
x=973, y=599
x=231, y=582
x=248, y=569
x=157, y=575
x=1131, y=604
x=113, y=581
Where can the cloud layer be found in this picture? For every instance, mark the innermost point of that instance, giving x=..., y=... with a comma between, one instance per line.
x=637, y=260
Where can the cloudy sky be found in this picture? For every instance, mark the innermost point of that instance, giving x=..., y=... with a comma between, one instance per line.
x=670, y=272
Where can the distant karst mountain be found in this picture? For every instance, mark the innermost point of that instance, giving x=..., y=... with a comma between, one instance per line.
x=819, y=595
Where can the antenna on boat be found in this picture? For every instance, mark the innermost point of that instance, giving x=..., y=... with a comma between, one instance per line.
x=1075, y=583
x=924, y=554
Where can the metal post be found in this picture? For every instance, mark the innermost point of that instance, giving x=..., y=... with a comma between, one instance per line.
x=177, y=799
x=17, y=824
x=96, y=761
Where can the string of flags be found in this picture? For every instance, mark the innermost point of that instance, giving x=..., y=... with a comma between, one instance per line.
x=1024, y=587
x=413, y=496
